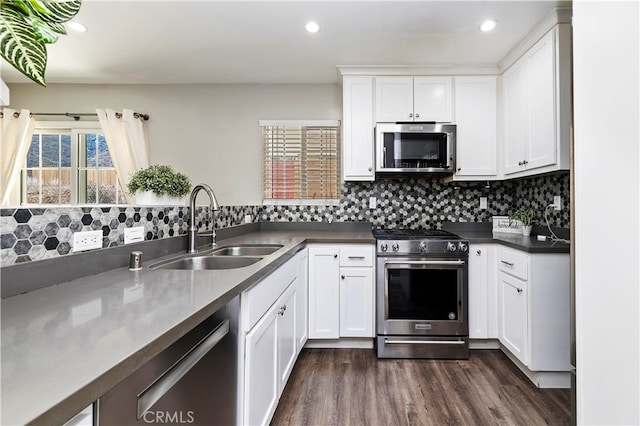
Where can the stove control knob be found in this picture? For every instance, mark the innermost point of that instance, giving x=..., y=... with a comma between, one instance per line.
x=383, y=247
x=463, y=247
x=423, y=247
x=451, y=247
x=395, y=247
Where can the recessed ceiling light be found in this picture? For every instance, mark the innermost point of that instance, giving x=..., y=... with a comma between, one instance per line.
x=312, y=27
x=488, y=25
x=76, y=26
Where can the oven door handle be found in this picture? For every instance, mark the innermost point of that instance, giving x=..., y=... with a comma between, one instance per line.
x=426, y=262
x=424, y=342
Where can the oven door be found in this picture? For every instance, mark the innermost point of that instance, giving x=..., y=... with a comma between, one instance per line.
x=422, y=296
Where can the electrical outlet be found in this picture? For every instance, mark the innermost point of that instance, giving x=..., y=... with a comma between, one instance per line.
x=557, y=202
x=133, y=235
x=87, y=240
x=483, y=203
x=372, y=202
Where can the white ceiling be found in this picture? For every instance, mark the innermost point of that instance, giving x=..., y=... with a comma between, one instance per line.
x=177, y=41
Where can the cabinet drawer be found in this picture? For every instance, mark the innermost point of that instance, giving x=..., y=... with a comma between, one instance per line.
x=356, y=255
x=513, y=262
x=256, y=300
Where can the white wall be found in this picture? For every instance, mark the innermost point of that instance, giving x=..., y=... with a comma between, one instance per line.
x=209, y=132
x=607, y=187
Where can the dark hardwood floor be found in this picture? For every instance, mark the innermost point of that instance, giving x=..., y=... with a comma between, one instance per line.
x=353, y=387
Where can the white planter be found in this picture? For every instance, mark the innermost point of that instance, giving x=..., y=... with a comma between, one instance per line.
x=149, y=198
x=526, y=230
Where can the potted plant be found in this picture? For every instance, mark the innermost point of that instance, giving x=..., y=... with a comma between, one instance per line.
x=159, y=185
x=526, y=217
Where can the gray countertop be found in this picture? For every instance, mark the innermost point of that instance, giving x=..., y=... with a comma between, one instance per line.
x=64, y=346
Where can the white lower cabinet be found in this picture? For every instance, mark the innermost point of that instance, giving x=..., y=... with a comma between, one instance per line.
x=302, y=299
x=482, y=292
x=341, y=291
x=270, y=339
x=513, y=311
x=534, y=307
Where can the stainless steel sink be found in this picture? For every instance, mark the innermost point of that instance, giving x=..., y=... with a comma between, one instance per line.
x=203, y=262
x=246, y=250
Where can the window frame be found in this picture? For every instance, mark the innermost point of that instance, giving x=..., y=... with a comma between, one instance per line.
x=74, y=129
x=303, y=201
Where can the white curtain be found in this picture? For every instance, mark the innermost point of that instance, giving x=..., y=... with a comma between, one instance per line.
x=127, y=143
x=15, y=139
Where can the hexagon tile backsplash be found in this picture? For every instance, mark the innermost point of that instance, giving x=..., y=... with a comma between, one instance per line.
x=40, y=233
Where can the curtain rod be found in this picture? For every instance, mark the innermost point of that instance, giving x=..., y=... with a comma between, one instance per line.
x=76, y=115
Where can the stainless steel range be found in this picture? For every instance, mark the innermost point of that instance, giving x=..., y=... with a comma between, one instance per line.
x=421, y=294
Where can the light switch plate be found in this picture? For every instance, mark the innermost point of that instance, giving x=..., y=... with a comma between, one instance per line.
x=133, y=235
x=483, y=203
x=87, y=240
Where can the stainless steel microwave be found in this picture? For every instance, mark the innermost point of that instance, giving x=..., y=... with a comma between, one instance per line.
x=415, y=148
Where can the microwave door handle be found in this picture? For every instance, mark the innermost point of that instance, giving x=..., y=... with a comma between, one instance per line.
x=384, y=156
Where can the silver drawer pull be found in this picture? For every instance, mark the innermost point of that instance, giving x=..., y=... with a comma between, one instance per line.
x=424, y=342
x=507, y=263
x=173, y=374
x=356, y=257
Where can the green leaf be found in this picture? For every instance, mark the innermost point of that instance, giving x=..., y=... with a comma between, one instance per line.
x=42, y=30
x=21, y=46
x=57, y=11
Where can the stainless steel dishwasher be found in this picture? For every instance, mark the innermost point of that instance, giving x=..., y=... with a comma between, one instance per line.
x=193, y=381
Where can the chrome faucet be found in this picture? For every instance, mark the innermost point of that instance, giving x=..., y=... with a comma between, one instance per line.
x=193, y=229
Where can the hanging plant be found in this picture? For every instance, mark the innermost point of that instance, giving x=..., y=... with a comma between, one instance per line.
x=26, y=26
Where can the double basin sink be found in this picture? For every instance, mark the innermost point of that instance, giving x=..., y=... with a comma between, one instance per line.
x=227, y=257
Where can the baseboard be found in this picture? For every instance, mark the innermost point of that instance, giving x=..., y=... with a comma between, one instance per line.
x=484, y=344
x=542, y=379
x=357, y=343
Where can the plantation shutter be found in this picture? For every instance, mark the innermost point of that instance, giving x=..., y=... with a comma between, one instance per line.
x=301, y=159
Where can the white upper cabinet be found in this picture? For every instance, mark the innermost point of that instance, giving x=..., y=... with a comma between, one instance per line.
x=476, y=127
x=414, y=99
x=537, y=107
x=357, y=129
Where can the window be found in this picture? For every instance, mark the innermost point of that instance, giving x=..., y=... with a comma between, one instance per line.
x=301, y=160
x=69, y=165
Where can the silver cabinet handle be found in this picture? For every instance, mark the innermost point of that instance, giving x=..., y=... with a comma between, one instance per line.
x=342, y=276
x=335, y=256
x=410, y=115
x=417, y=115
x=173, y=374
x=370, y=169
x=520, y=163
x=479, y=252
x=424, y=342
x=519, y=290
x=356, y=257
x=507, y=263
x=428, y=262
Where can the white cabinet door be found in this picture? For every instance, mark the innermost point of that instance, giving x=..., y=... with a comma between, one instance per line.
x=261, y=370
x=286, y=333
x=515, y=89
x=542, y=104
x=302, y=300
x=513, y=315
x=356, y=302
x=476, y=126
x=324, y=292
x=478, y=292
x=357, y=129
x=394, y=99
x=432, y=99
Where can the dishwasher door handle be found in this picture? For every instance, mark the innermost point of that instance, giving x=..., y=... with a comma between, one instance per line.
x=173, y=374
